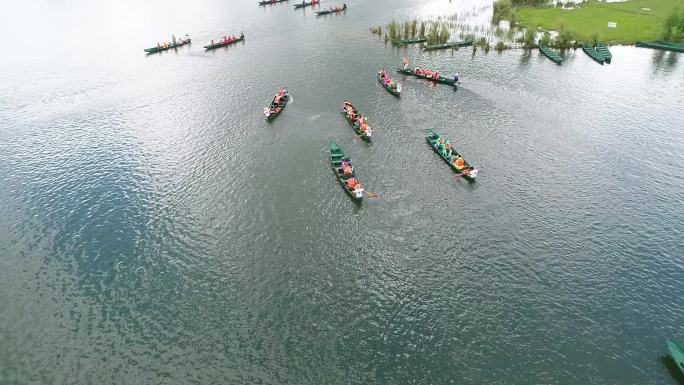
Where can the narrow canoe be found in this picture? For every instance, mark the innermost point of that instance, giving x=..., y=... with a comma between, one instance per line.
x=357, y=129
x=677, y=352
x=453, y=44
x=327, y=11
x=419, y=39
x=603, y=50
x=273, y=110
x=660, y=44
x=432, y=139
x=593, y=53
x=304, y=4
x=160, y=49
x=336, y=158
x=217, y=45
x=393, y=91
x=267, y=2
x=441, y=80
x=551, y=54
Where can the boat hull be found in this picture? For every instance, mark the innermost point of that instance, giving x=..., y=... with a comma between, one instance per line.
x=162, y=49
x=441, y=80
x=431, y=138
x=210, y=47
x=336, y=155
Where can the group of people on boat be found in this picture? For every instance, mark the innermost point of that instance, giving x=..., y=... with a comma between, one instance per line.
x=312, y=2
x=229, y=39
x=454, y=159
x=426, y=72
x=174, y=42
x=338, y=8
x=352, y=184
x=357, y=120
x=276, y=106
x=386, y=81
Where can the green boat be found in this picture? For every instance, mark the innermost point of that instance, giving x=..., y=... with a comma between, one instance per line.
x=467, y=171
x=327, y=11
x=276, y=109
x=677, y=352
x=415, y=40
x=453, y=44
x=440, y=80
x=267, y=2
x=593, y=53
x=551, y=54
x=305, y=4
x=364, y=135
x=336, y=158
x=224, y=43
x=661, y=44
x=161, y=48
x=394, y=91
x=603, y=50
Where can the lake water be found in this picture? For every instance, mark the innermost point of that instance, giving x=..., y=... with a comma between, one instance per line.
x=154, y=229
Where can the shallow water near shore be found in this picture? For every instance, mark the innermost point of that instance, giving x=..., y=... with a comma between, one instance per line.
x=155, y=229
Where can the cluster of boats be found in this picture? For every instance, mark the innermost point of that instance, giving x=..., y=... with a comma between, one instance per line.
x=175, y=43
x=341, y=163
x=304, y=3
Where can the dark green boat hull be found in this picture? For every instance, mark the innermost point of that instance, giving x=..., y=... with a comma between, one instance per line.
x=677, y=352
x=431, y=137
x=593, y=53
x=300, y=5
x=551, y=54
x=391, y=91
x=326, y=12
x=358, y=130
x=415, y=40
x=603, y=50
x=336, y=155
x=448, y=45
x=271, y=2
x=161, y=49
x=441, y=80
x=282, y=104
x=210, y=47
x=663, y=45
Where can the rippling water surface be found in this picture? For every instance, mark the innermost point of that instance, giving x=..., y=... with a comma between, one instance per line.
x=154, y=229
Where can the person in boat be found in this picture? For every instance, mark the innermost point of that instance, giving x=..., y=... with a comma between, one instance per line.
x=242, y=34
x=350, y=113
x=458, y=162
x=456, y=79
x=428, y=73
x=392, y=85
x=347, y=168
x=448, y=151
x=436, y=75
x=358, y=190
x=351, y=183
x=368, y=132
x=405, y=63
x=383, y=74
x=158, y=45
x=173, y=38
x=386, y=81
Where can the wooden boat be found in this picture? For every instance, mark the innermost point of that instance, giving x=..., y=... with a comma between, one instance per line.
x=336, y=158
x=276, y=109
x=677, y=352
x=267, y=2
x=327, y=11
x=470, y=175
x=603, y=50
x=419, y=39
x=441, y=80
x=224, y=43
x=453, y=44
x=179, y=43
x=305, y=4
x=393, y=91
x=661, y=44
x=551, y=54
x=365, y=136
x=593, y=53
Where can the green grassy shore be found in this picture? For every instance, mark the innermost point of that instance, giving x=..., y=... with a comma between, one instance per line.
x=591, y=19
